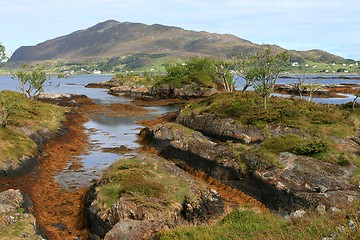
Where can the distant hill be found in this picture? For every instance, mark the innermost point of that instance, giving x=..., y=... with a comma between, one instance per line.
x=112, y=39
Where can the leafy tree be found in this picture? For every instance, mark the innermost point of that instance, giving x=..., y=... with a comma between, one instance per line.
x=31, y=80
x=8, y=106
x=204, y=72
x=264, y=69
x=2, y=53
x=243, y=66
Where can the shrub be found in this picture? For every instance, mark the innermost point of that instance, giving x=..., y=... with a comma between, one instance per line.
x=310, y=148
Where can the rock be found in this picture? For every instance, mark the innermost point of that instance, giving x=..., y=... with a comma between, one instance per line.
x=298, y=214
x=299, y=181
x=12, y=205
x=335, y=210
x=223, y=129
x=134, y=91
x=135, y=216
x=184, y=92
x=321, y=209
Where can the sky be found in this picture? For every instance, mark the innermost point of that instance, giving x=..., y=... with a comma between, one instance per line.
x=329, y=25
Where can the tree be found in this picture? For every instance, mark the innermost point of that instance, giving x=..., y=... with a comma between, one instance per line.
x=243, y=67
x=203, y=72
x=265, y=71
x=224, y=80
x=31, y=80
x=2, y=53
x=8, y=106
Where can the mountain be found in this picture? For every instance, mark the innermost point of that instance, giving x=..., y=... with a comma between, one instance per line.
x=111, y=39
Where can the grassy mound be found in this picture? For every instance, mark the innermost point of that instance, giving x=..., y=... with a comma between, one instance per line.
x=143, y=180
x=26, y=113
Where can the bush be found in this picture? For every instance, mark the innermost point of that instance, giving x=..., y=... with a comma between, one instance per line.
x=310, y=148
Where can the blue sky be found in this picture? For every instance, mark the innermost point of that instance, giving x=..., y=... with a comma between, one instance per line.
x=331, y=25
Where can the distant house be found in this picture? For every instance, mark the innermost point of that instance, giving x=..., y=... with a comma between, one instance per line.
x=295, y=64
x=96, y=72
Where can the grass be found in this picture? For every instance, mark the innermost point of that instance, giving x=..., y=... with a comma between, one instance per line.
x=22, y=229
x=313, y=127
x=247, y=109
x=29, y=113
x=142, y=180
x=248, y=224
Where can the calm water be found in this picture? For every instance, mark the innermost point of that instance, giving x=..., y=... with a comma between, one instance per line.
x=103, y=131
x=112, y=132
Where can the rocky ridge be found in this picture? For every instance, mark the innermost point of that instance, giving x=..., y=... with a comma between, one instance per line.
x=297, y=181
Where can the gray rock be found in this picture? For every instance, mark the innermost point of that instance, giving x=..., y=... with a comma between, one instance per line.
x=298, y=214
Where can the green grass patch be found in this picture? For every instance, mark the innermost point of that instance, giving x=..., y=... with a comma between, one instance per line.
x=247, y=109
x=248, y=224
x=29, y=113
x=142, y=180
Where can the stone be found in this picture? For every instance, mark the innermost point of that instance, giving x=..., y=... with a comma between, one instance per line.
x=321, y=209
x=298, y=214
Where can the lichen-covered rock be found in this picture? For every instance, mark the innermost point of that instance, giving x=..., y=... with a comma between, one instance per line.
x=151, y=194
x=295, y=181
x=15, y=220
x=212, y=125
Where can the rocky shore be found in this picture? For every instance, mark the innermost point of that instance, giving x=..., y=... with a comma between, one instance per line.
x=202, y=141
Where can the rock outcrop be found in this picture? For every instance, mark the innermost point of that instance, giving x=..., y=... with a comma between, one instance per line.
x=16, y=221
x=163, y=91
x=140, y=216
x=224, y=129
x=297, y=181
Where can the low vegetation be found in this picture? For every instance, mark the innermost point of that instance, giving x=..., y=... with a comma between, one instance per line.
x=142, y=180
x=133, y=80
x=26, y=114
x=313, y=127
x=204, y=72
x=249, y=224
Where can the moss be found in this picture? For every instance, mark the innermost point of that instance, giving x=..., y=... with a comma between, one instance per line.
x=142, y=180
